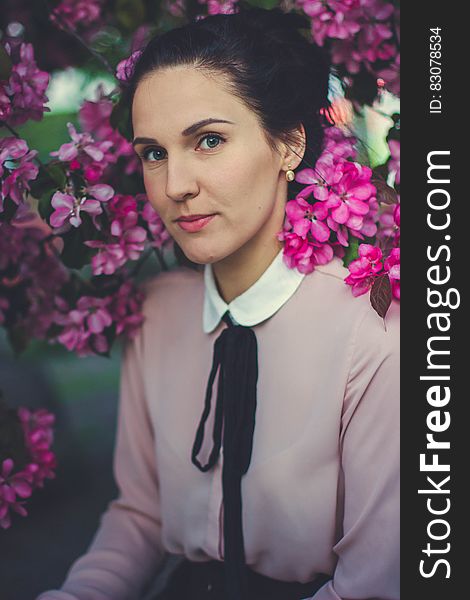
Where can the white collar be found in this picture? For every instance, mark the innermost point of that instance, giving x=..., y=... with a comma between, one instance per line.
x=259, y=302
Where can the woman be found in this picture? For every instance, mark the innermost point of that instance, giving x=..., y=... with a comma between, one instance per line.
x=283, y=481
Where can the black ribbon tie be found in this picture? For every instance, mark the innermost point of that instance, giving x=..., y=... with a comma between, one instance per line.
x=236, y=358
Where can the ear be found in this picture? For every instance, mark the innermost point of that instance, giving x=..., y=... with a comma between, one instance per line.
x=293, y=148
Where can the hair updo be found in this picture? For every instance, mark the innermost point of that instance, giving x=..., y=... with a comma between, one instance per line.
x=267, y=62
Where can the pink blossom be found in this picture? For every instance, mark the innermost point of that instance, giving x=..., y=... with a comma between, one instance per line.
x=16, y=169
x=31, y=273
x=337, y=148
x=318, y=180
x=126, y=240
x=396, y=215
x=125, y=68
x=23, y=96
x=389, y=223
x=68, y=207
x=391, y=76
x=75, y=13
x=38, y=434
x=307, y=218
x=11, y=486
x=83, y=145
x=126, y=309
x=85, y=326
x=37, y=430
x=332, y=19
x=347, y=204
x=338, y=144
x=95, y=116
x=5, y=104
x=359, y=32
x=364, y=270
x=84, y=152
x=392, y=266
x=304, y=254
x=156, y=227
x=350, y=194
x=219, y=7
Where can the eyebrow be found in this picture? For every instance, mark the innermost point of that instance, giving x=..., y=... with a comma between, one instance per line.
x=188, y=131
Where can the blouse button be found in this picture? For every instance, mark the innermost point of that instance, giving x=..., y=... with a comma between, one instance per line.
x=209, y=587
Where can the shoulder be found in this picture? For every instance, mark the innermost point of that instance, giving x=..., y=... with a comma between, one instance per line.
x=171, y=297
x=329, y=299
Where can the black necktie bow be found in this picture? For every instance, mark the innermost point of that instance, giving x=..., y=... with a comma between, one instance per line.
x=236, y=359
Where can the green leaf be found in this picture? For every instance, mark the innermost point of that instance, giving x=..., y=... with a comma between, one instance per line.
x=49, y=179
x=5, y=64
x=130, y=13
x=45, y=207
x=352, y=251
x=57, y=174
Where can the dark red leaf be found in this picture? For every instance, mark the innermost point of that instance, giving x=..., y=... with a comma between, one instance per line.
x=385, y=193
x=381, y=295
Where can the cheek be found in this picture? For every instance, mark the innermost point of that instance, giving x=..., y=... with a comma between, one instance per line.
x=254, y=184
x=153, y=189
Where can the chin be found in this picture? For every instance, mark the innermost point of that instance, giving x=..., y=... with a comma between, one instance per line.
x=202, y=254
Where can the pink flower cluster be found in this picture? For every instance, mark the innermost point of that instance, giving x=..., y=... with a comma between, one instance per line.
x=68, y=206
x=159, y=234
x=17, y=169
x=371, y=265
x=126, y=239
x=85, y=325
x=77, y=13
x=337, y=202
x=219, y=7
x=86, y=154
x=388, y=232
x=31, y=274
x=23, y=95
x=95, y=116
x=15, y=487
x=361, y=32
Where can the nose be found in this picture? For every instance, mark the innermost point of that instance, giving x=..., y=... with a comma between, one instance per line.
x=181, y=181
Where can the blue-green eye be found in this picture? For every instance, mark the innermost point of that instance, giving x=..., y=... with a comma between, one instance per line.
x=152, y=154
x=212, y=139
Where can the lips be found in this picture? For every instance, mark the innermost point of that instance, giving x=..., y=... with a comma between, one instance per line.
x=195, y=222
x=193, y=218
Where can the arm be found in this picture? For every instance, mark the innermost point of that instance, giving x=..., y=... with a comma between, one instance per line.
x=126, y=550
x=368, y=549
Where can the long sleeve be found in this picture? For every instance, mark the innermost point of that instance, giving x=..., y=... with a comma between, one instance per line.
x=126, y=550
x=368, y=548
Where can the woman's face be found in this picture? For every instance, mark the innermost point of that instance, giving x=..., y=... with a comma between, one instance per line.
x=224, y=168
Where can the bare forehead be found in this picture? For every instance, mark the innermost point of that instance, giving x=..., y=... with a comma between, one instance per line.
x=175, y=97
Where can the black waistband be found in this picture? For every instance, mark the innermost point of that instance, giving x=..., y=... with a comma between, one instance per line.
x=205, y=580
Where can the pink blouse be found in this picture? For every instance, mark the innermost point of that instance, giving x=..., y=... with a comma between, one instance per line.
x=321, y=494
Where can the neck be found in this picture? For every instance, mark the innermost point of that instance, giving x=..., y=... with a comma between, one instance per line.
x=239, y=271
